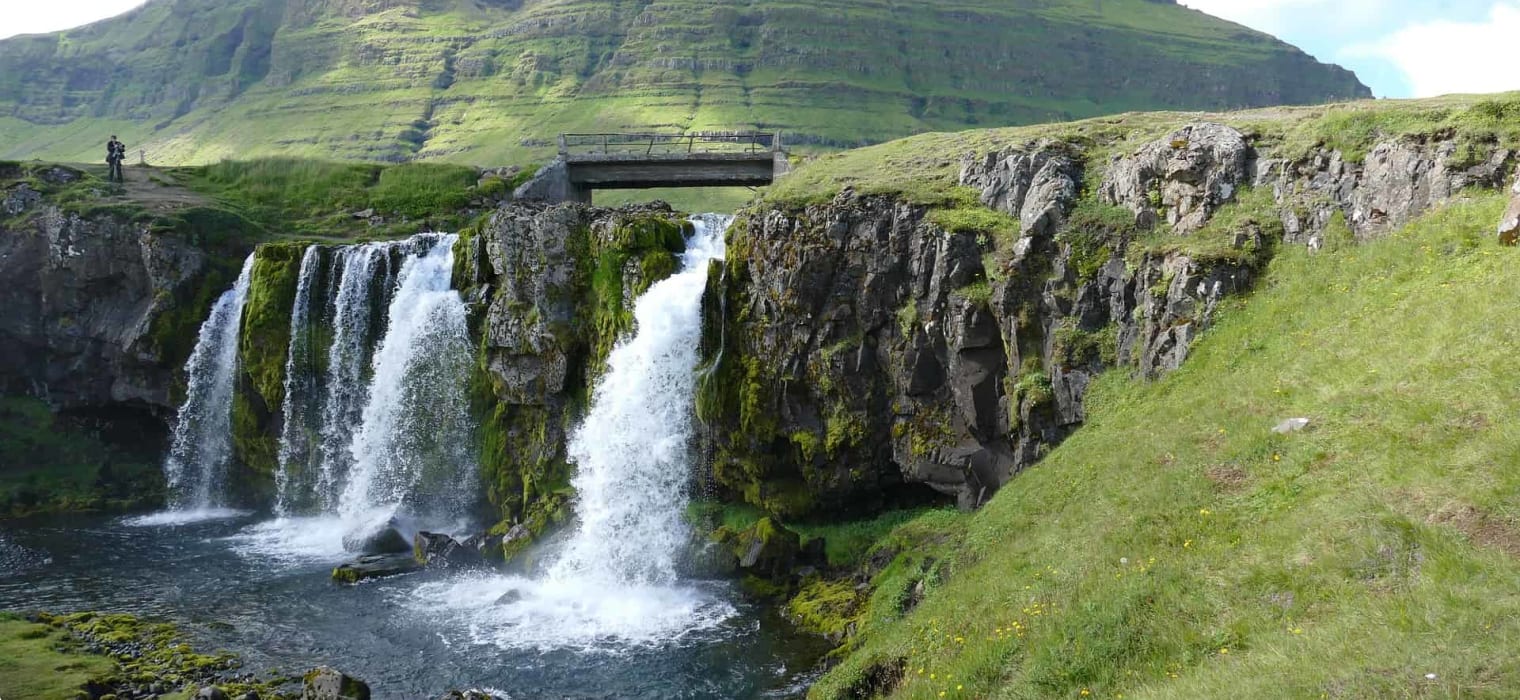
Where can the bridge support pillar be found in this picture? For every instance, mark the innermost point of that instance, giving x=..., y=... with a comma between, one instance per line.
x=552, y=184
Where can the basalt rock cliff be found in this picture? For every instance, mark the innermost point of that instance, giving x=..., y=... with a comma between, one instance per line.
x=870, y=345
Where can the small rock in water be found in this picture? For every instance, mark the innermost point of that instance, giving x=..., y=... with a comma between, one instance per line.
x=1291, y=425
x=211, y=692
x=328, y=683
x=377, y=538
x=472, y=694
x=438, y=550
x=375, y=566
x=510, y=597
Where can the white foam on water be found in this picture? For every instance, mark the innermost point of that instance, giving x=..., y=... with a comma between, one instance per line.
x=294, y=540
x=581, y=615
x=175, y=518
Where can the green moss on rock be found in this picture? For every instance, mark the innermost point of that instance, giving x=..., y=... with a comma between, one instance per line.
x=826, y=607
x=264, y=339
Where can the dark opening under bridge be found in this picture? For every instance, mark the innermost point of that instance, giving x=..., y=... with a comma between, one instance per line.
x=589, y=162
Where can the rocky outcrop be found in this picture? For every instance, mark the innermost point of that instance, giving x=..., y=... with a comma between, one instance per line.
x=90, y=312
x=1181, y=179
x=327, y=683
x=859, y=351
x=1396, y=181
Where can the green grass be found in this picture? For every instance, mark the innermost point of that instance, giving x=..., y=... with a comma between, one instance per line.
x=1224, y=237
x=1174, y=547
x=302, y=198
x=1354, y=128
x=31, y=666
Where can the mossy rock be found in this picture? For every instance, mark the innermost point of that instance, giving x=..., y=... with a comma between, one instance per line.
x=828, y=607
x=766, y=550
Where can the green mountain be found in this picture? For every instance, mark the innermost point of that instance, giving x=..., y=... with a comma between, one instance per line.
x=492, y=81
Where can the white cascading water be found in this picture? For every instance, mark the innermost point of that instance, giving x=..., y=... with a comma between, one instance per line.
x=416, y=431
x=347, y=358
x=201, y=444
x=386, y=428
x=294, y=478
x=614, y=581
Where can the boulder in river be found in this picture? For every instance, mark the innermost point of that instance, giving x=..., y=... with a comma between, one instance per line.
x=375, y=566
x=328, y=683
x=382, y=537
x=211, y=692
x=441, y=551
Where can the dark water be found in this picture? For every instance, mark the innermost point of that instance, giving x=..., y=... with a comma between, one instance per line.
x=400, y=634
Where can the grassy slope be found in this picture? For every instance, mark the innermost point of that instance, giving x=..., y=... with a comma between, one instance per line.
x=1176, y=548
x=475, y=82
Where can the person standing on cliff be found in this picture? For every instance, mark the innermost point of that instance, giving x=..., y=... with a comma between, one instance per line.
x=116, y=151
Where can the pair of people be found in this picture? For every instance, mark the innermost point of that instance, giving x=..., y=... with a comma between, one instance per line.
x=116, y=152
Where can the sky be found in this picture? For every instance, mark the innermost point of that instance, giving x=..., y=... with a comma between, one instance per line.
x=1400, y=48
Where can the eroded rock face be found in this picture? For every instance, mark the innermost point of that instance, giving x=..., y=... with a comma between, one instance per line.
x=78, y=308
x=1181, y=179
x=1397, y=181
x=860, y=352
x=1035, y=183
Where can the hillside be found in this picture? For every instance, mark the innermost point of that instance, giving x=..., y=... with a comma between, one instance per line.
x=492, y=81
x=1176, y=547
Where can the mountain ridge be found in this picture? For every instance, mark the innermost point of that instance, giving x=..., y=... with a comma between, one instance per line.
x=491, y=81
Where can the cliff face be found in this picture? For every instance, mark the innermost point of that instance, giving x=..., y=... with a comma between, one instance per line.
x=87, y=308
x=868, y=343
x=98, y=313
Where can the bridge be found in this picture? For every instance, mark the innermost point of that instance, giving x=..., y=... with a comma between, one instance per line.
x=589, y=162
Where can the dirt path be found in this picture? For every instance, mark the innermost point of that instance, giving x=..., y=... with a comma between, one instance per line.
x=154, y=188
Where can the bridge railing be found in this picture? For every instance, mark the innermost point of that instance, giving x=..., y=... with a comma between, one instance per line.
x=754, y=143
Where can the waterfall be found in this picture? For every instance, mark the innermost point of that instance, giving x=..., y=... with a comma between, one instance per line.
x=613, y=583
x=201, y=445
x=633, y=451
x=416, y=430
x=348, y=357
x=376, y=408
x=293, y=480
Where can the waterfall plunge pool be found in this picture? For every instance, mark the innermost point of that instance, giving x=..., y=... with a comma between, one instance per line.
x=412, y=636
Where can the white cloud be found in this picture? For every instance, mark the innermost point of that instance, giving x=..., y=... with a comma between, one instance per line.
x=38, y=16
x=1442, y=57
x=1284, y=16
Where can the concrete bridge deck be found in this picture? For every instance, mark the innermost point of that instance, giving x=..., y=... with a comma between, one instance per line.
x=589, y=162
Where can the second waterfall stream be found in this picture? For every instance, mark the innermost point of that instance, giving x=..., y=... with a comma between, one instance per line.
x=613, y=580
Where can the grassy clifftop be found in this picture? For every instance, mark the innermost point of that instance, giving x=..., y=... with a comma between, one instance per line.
x=488, y=82
x=923, y=169
x=1176, y=547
